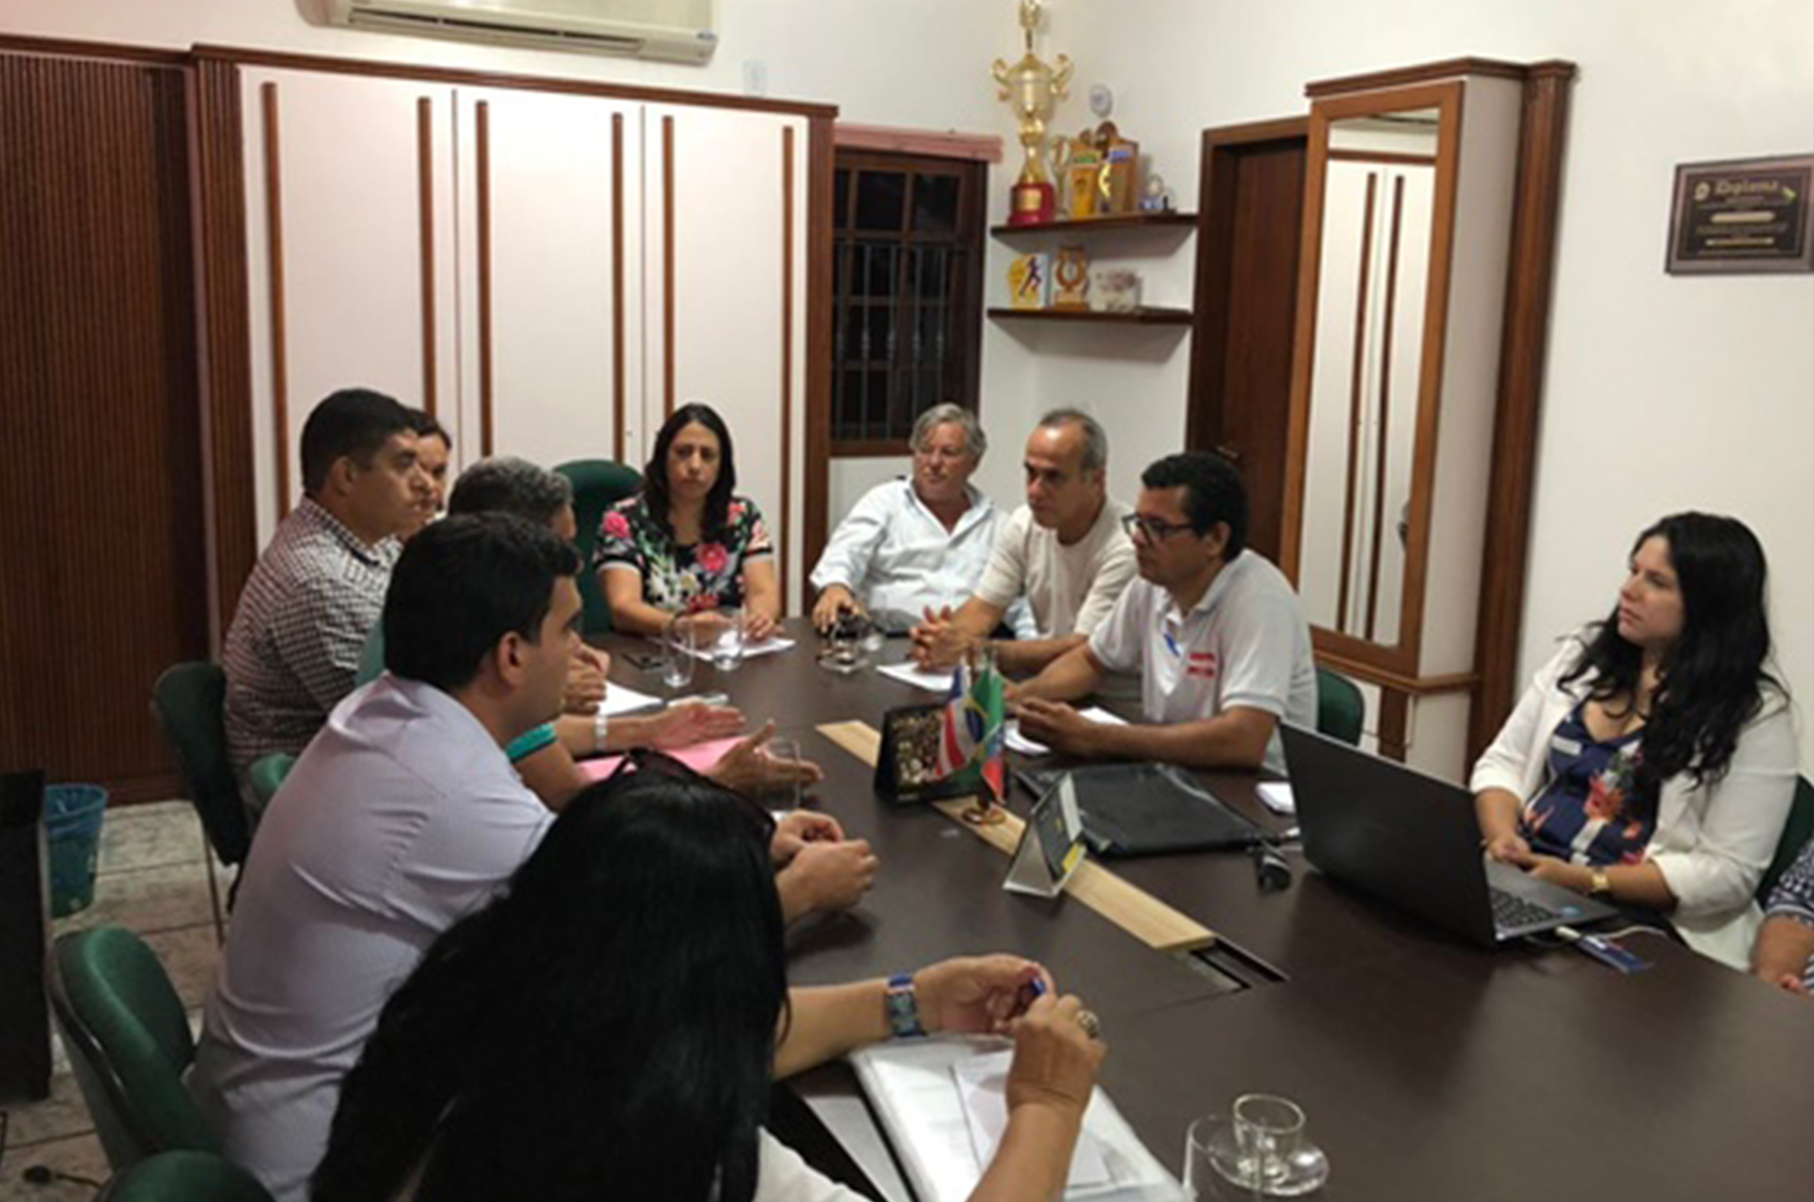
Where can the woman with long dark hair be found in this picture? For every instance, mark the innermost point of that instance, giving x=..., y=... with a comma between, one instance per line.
x=607, y=1028
x=1652, y=761
x=686, y=543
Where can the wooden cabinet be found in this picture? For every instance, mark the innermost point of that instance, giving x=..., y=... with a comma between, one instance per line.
x=550, y=272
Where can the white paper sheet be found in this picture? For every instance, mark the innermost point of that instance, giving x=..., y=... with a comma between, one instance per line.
x=982, y=1087
x=1021, y=743
x=622, y=699
x=771, y=645
x=911, y=673
x=1276, y=795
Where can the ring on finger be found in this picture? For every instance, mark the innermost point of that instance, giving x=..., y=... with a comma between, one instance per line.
x=1092, y=1026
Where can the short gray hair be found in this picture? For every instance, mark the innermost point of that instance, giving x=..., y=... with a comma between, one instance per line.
x=1095, y=438
x=505, y=484
x=975, y=441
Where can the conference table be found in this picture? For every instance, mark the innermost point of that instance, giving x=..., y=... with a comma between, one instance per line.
x=1428, y=1068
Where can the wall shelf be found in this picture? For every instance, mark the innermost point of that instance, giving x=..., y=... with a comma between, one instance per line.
x=1143, y=316
x=1120, y=221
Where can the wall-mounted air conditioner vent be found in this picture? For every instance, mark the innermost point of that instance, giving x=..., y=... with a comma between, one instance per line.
x=683, y=31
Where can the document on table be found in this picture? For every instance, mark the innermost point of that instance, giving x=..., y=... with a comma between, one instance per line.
x=1277, y=796
x=771, y=645
x=908, y=672
x=621, y=699
x=1021, y=743
x=700, y=757
x=943, y=1107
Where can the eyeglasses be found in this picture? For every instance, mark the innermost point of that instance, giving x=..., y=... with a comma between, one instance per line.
x=1153, y=530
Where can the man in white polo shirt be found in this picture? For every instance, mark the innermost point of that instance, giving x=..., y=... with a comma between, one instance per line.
x=1215, y=631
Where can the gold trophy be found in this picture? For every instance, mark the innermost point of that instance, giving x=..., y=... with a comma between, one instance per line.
x=1032, y=89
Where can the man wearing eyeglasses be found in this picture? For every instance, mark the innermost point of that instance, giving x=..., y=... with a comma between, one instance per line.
x=917, y=543
x=1215, y=631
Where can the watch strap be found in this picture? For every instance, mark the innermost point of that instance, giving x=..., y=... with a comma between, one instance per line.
x=903, y=1007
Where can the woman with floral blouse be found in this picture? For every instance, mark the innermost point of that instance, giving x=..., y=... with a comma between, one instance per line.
x=686, y=544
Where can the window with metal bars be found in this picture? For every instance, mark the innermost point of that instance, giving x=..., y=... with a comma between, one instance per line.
x=908, y=239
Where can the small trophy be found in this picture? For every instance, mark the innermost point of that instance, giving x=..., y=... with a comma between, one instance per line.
x=1032, y=89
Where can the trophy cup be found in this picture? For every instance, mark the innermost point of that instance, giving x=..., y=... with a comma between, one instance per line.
x=1032, y=89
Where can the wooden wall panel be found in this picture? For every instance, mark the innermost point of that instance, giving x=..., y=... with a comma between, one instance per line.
x=103, y=539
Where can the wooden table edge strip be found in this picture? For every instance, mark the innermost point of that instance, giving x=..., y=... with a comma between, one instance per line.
x=1132, y=909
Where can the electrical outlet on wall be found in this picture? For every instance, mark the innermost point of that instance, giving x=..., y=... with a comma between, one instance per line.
x=755, y=77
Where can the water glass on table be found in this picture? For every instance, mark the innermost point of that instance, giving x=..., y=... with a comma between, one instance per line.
x=1258, y=1152
x=727, y=648
x=781, y=788
x=678, y=643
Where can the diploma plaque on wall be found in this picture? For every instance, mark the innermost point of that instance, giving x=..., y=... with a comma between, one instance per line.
x=1741, y=217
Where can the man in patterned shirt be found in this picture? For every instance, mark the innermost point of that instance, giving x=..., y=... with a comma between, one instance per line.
x=1784, y=952
x=318, y=590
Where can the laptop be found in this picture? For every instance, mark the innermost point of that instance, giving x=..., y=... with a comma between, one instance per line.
x=1414, y=840
x=1147, y=810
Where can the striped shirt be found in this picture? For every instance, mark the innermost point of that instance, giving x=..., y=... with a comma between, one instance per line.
x=293, y=649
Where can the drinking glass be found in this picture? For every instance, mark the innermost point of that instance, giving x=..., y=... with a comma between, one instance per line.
x=727, y=651
x=780, y=775
x=1200, y=1174
x=678, y=642
x=1267, y=1129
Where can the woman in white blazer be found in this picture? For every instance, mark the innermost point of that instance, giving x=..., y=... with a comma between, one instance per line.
x=1652, y=761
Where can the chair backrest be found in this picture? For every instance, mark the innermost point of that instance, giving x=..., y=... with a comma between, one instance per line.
x=190, y=700
x=371, y=657
x=1341, y=711
x=184, y=1177
x=265, y=775
x=1796, y=833
x=128, y=1042
x=598, y=484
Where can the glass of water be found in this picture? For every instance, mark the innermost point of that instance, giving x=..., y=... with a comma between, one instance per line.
x=678, y=642
x=727, y=650
x=781, y=774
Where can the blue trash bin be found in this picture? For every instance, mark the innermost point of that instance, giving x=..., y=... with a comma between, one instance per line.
x=72, y=828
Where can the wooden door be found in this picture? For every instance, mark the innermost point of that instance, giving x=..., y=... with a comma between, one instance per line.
x=105, y=582
x=550, y=255
x=349, y=230
x=725, y=215
x=1248, y=243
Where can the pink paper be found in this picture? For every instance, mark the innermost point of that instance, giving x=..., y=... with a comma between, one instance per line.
x=700, y=757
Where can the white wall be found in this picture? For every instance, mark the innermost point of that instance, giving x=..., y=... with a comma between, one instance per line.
x=1662, y=393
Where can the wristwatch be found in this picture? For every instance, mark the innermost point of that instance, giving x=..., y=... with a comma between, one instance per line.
x=1599, y=884
x=600, y=724
x=903, y=1007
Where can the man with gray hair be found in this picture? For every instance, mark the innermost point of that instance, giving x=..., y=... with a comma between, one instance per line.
x=1065, y=551
x=917, y=543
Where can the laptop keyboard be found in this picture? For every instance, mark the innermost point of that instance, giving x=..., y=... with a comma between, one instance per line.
x=1510, y=911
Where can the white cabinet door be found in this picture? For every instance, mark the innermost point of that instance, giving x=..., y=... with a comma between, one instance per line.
x=349, y=206
x=725, y=214
x=550, y=273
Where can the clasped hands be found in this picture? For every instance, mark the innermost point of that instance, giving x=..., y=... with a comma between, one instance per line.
x=1511, y=848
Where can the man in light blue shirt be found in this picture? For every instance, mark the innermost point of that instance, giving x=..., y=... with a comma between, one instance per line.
x=913, y=544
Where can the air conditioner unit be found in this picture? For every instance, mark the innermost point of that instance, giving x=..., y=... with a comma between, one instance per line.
x=684, y=31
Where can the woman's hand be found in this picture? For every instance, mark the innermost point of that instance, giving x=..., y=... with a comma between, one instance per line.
x=1509, y=847
x=796, y=828
x=1055, y=1059
x=1559, y=872
x=757, y=625
x=977, y=995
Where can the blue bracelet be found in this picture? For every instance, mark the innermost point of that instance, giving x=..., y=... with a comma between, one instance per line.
x=903, y=1007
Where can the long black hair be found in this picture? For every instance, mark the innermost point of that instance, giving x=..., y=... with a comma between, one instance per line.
x=1714, y=679
x=655, y=475
x=605, y=1028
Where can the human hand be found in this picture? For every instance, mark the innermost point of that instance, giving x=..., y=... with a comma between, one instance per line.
x=750, y=768
x=977, y=994
x=1558, y=872
x=828, y=876
x=707, y=625
x=1790, y=983
x=1055, y=1059
x=1509, y=847
x=585, y=686
x=796, y=828
x=1057, y=725
x=757, y=625
x=938, y=642
x=693, y=722
x=834, y=601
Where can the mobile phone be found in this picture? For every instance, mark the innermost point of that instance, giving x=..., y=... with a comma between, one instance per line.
x=648, y=661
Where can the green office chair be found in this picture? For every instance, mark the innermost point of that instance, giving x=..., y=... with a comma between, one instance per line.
x=128, y=1042
x=1341, y=711
x=184, y=1177
x=371, y=657
x=190, y=702
x=598, y=484
x=1796, y=833
x=266, y=773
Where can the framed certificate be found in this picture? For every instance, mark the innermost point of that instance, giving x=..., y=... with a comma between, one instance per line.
x=1744, y=216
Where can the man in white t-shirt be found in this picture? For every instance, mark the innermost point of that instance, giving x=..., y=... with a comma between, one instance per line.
x=1065, y=551
x=1215, y=631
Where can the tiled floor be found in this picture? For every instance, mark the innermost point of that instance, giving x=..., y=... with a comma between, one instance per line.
x=154, y=880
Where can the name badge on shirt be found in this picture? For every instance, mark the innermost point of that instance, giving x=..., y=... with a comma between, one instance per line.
x=1201, y=664
x=1565, y=745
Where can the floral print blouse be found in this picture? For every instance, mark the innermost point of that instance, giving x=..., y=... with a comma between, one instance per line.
x=679, y=579
x=1582, y=816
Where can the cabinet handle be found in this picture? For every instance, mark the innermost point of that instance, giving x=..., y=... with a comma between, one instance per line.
x=1232, y=454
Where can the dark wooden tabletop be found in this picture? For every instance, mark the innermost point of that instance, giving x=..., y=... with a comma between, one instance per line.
x=1429, y=1069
